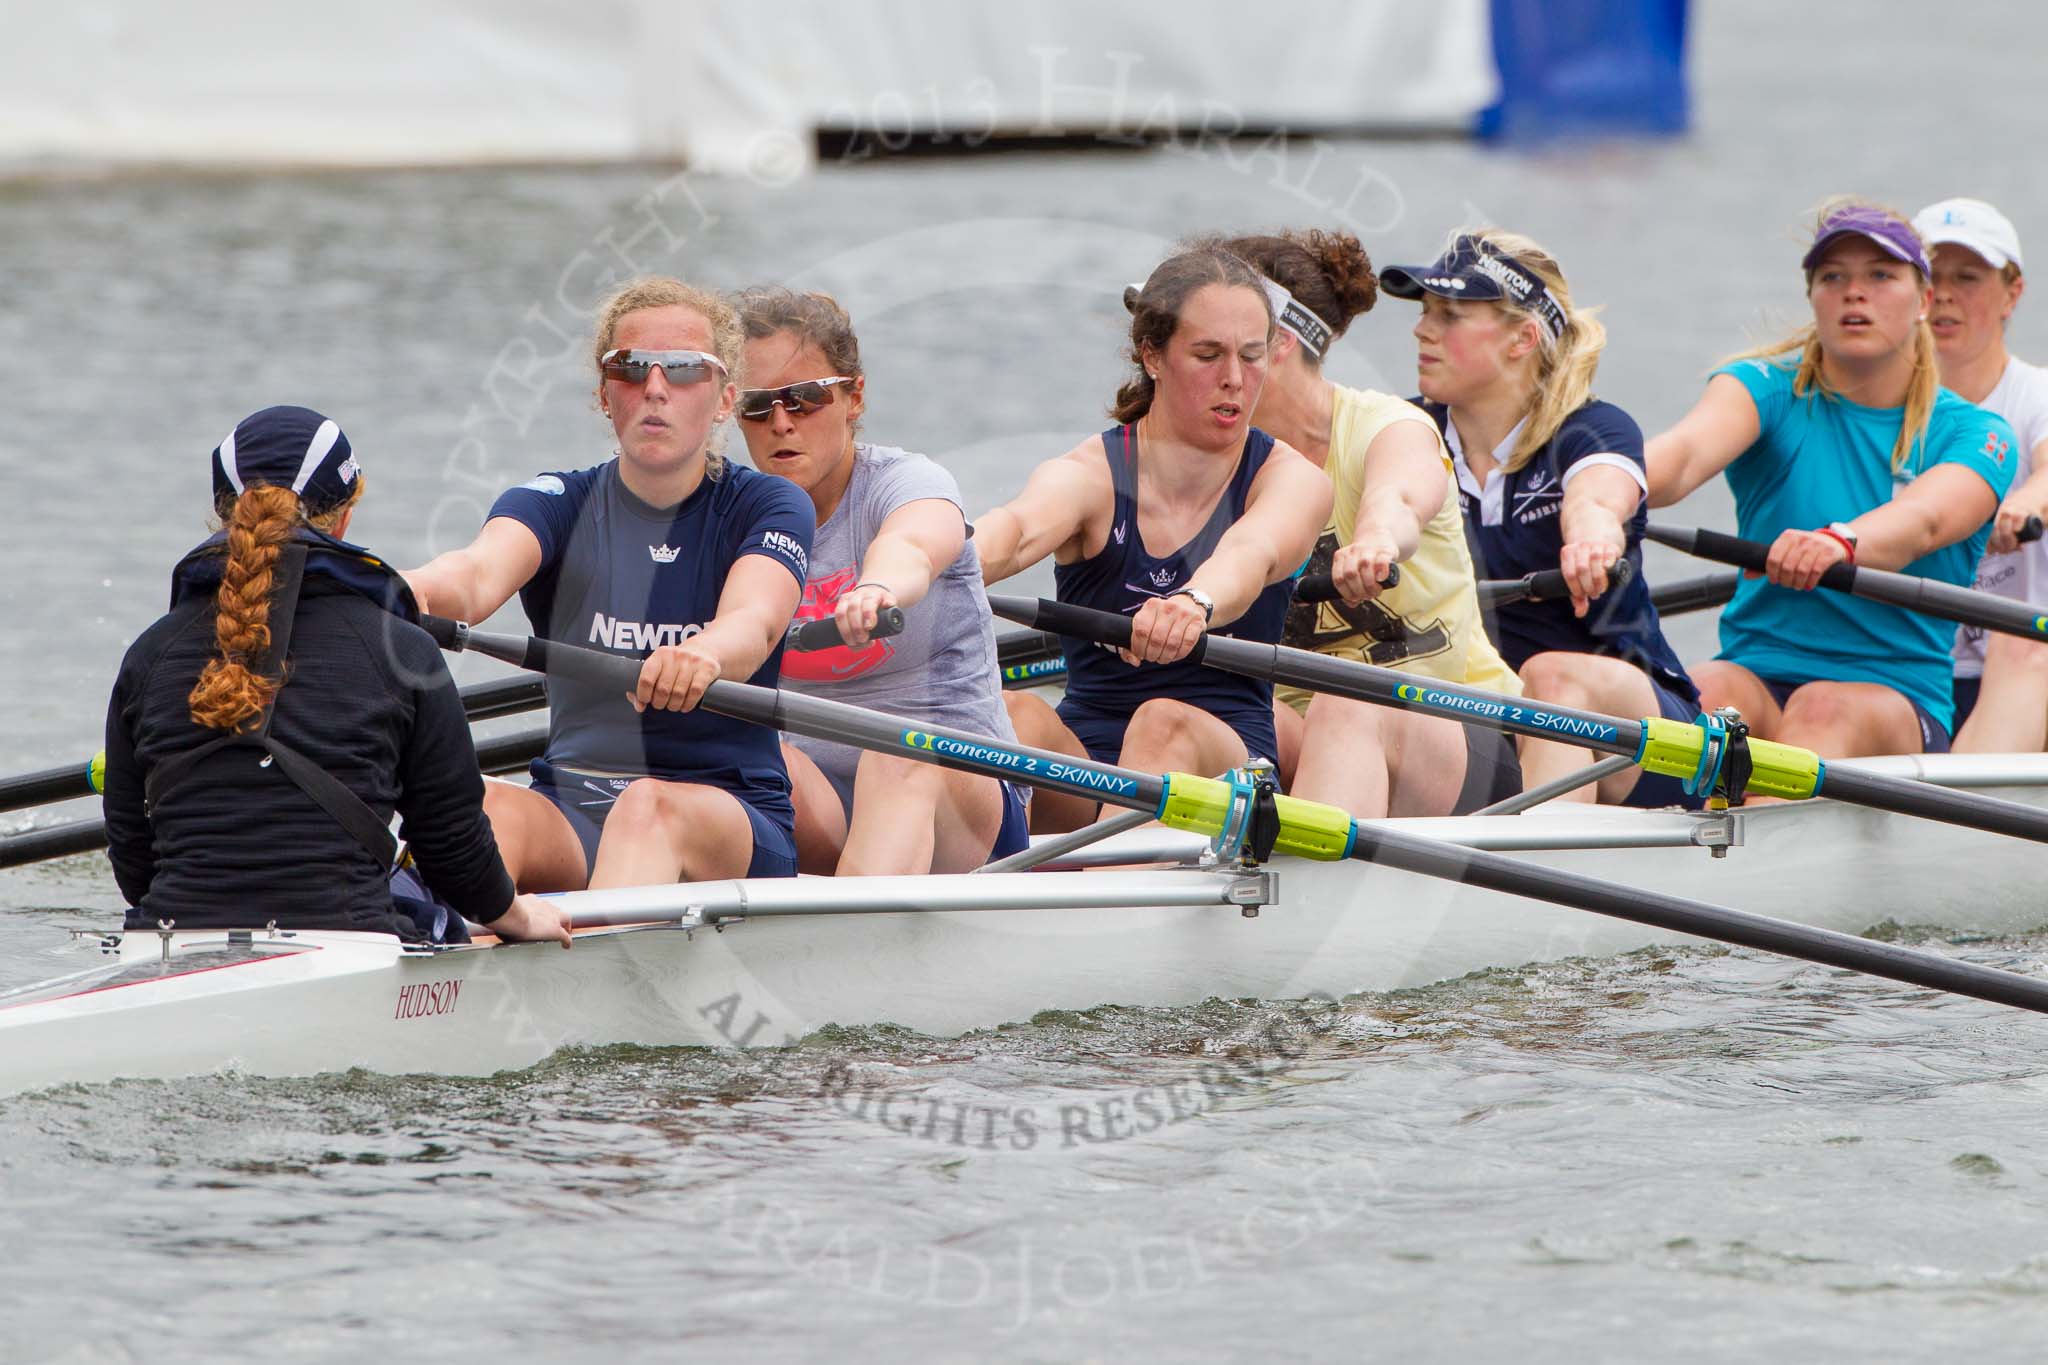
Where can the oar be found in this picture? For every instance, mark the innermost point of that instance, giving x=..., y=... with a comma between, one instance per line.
x=1965, y=606
x=1686, y=751
x=1028, y=658
x=506, y=754
x=1694, y=594
x=1304, y=828
x=1545, y=585
x=68, y=781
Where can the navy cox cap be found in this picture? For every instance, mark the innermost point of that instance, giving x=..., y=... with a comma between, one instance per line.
x=289, y=447
x=1470, y=269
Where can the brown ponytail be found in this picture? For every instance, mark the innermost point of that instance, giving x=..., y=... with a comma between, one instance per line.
x=228, y=695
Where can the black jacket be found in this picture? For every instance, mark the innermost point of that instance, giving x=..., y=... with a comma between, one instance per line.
x=237, y=844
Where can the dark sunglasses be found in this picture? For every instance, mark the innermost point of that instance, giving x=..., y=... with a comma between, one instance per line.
x=678, y=367
x=758, y=405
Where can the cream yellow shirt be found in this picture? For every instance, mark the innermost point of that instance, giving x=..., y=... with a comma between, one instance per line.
x=1429, y=623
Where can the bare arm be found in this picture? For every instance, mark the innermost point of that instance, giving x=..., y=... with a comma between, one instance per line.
x=1288, y=508
x=1946, y=504
x=471, y=583
x=1406, y=482
x=1598, y=501
x=916, y=543
x=1050, y=516
x=1722, y=425
x=760, y=596
x=1939, y=508
x=2029, y=499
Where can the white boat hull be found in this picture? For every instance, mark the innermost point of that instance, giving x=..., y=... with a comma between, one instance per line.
x=314, y=1002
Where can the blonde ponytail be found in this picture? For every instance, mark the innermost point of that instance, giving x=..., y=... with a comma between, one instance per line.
x=1809, y=378
x=1565, y=364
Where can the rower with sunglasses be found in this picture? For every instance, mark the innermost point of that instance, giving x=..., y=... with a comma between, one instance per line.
x=891, y=533
x=1184, y=517
x=666, y=551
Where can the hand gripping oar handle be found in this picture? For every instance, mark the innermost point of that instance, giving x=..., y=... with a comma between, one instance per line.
x=1320, y=587
x=1546, y=585
x=823, y=633
x=1672, y=748
x=1962, y=605
x=1308, y=829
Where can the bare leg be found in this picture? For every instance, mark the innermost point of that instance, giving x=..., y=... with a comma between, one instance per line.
x=1038, y=726
x=673, y=831
x=1171, y=736
x=1374, y=761
x=2012, y=707
x=540, y=849
x=1724, y=684
x=1585, y=682
x=911, y=817
x=1287, y=727
x=1849, y=720
x=820, y=819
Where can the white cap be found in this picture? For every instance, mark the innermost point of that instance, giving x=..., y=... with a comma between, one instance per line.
x=1970, y=223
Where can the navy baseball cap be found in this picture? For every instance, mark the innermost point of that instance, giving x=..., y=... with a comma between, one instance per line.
x=293, y=448
x=1470, y=269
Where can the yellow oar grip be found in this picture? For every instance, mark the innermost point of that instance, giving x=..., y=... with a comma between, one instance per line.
x=1308, y=829
x=96, y=771
x=1673, y=747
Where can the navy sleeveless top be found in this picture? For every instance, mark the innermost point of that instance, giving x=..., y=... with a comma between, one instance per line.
x=1122, y=577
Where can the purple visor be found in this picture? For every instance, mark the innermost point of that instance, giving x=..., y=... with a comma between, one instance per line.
x=1895, y=238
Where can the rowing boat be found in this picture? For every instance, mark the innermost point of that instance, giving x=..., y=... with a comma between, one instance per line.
x=765, y=963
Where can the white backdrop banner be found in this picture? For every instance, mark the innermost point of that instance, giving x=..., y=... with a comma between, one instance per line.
x=719, y=84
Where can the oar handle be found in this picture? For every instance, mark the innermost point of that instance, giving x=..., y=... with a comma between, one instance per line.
x=1909, y=591
x=1319, y=587
x=823, y=633
x=1694, y=594
x=2030, y=531
x=1024, y=646
x=1064, y=618
x=1546, y=585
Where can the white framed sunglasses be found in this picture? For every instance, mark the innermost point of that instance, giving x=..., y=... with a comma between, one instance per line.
x=677, y=367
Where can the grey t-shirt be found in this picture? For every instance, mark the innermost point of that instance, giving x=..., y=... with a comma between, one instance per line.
x=942, y=668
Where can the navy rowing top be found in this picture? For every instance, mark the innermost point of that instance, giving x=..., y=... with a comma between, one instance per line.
x=624, y=577
x=1123, y=576
x=1514, y=526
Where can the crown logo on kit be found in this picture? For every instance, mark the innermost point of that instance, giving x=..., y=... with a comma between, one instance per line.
x=663, y=554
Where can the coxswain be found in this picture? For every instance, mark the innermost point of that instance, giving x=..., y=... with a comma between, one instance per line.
x=2001, y=681
x=1184, y=517
x=891, y=533
x=262, y=734
x=1841, y=447
x=666, y=550
x=1551, y=478
x=1395, y=505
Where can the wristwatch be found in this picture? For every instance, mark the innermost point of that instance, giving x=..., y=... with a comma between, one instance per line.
x=1844, y=532
x=1200, y=599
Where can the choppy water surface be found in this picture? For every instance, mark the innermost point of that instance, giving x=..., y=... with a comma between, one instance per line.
x=1680, y=1155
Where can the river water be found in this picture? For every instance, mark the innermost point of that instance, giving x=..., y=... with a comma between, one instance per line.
x=1685, y=1155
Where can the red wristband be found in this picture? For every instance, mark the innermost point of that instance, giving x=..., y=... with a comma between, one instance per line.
x=1848, y=545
